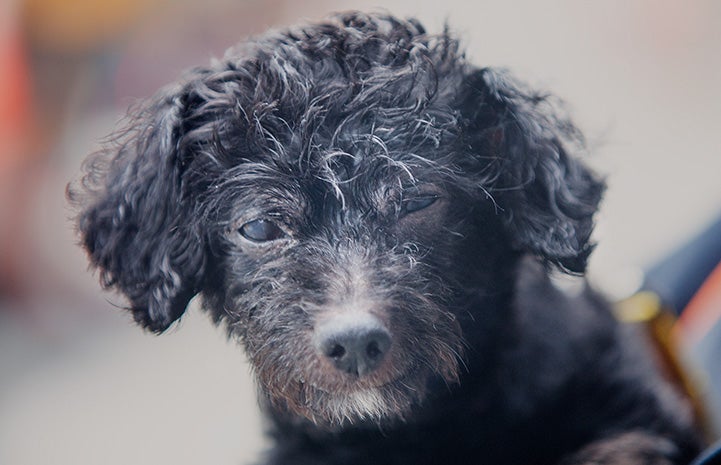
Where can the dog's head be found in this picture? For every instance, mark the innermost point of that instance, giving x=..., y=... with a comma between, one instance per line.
x=350, y=198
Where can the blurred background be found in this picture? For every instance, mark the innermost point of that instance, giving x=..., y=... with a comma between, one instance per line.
x=79, y=384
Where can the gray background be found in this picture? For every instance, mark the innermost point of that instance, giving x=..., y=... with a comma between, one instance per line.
x=80, y=385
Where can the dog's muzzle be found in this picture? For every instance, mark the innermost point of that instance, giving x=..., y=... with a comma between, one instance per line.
x=355, y=344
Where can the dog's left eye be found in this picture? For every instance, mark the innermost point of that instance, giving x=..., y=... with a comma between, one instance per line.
x=418, y=203
x=261, y=231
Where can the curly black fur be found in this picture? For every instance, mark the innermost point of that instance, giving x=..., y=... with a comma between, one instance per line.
x=361, y=168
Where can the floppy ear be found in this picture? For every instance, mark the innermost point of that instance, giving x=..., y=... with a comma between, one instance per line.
x=547, y=196
x=135, y=222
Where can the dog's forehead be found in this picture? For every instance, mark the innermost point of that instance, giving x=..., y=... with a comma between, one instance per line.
x=347, y=157
x=358, y=179
x=342, y=187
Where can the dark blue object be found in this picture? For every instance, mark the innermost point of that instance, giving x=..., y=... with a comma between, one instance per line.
x=676, y=278
x=712, y=456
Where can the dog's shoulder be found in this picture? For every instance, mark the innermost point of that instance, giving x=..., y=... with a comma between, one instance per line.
x=556, y=333
x=582, y=369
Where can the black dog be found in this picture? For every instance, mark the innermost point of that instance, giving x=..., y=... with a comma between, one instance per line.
x=375, y=219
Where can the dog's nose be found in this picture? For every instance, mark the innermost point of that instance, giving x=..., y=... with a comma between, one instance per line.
x=356, y=348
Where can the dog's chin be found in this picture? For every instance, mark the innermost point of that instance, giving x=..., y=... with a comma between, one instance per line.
x=363, y=405
x=335, y=409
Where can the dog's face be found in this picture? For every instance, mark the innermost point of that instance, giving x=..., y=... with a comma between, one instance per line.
x=344, y=284
x=350, y=198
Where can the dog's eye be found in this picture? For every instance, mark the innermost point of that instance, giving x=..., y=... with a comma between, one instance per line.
x=418, y=203
x=261, y=231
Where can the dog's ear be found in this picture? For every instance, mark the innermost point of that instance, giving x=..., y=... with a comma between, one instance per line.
x=134, y=220
x=525, y=146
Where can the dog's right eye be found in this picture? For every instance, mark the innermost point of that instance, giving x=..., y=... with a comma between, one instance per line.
x=261, y=231
x=419, y=203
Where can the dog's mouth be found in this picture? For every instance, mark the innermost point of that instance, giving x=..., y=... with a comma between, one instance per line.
x=333, y=399
x=336, y=404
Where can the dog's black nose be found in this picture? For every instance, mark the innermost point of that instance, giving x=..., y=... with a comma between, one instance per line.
x=355, y=348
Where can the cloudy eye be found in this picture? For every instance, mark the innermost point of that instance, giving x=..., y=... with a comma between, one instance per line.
x=261, y=231
x=418, y=203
